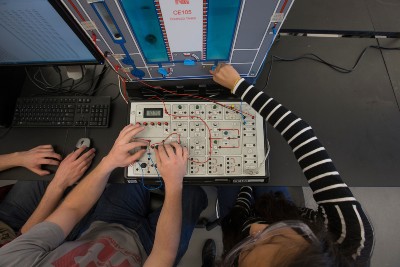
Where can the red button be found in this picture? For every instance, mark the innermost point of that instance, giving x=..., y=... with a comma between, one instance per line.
x=152, y=123
x=166, y=123
x=144, y=123
x=159, y=123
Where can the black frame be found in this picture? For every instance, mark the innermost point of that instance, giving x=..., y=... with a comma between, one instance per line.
x=80, y=33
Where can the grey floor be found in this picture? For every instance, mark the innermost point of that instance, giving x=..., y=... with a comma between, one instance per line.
x=382, y=204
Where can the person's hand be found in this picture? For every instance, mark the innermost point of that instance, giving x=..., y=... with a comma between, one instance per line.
x=120, y=155
x=172, y=163
x=73, y=167
x=40, y=155
x=225, y=75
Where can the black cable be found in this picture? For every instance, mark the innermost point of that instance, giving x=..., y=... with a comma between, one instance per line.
x=46, y=89
x=41, y=74
x=58, y=70
x=316, y=58
x=269, y=73
x=157, y=93
x=60, y=74
x=71, y=87
x=106, y=86
x=98, y=90
x=67, y=89
x=79, y=82
x=115, y=97
x=97, y=76
x=45, y=82
x=92, y=82
x=82, y=72
x=38, y=86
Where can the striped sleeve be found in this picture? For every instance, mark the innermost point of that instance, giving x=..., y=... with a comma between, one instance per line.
x=342, y=213
x=245, y=201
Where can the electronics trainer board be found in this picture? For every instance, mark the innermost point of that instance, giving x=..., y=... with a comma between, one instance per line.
x=172, y=41
x=181, y=39
x=225, y=140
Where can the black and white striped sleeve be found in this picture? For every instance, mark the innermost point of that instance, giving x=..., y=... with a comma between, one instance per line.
x=342, y=213
x=245, y=201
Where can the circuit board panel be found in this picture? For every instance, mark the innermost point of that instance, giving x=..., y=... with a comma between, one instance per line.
x=225, y=140
x=181, y=39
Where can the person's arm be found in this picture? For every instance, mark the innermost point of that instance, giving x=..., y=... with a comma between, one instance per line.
x=343, y=214
x=31, y=159
x=82, y=198
x=70, y=170
x=171, y=163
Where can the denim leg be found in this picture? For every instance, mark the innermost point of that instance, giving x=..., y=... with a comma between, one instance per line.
x=129, y=205
x=21, y=202
x=126, y=204
x=194, y=201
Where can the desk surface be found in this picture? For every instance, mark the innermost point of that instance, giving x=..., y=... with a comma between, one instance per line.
x=64, y=139
x=384, y=15
x=392, y=59
x=342, y=16
x=355, y=115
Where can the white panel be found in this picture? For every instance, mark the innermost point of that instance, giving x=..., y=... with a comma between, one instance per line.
x=184, y=24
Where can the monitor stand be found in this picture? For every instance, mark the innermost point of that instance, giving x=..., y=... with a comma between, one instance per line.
x=75, y=72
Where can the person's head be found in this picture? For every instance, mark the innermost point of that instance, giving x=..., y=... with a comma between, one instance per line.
x=284, y=244
x=288, y=240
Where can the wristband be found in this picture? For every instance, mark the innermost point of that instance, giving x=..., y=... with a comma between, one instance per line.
x=236, y=82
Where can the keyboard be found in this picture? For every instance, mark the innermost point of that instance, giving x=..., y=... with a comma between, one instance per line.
x=62, y=111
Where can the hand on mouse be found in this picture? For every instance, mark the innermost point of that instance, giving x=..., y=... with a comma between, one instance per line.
x=225, y=75
x=73, y=167
x=172, y=163
x=119, y=155
x=40, y=155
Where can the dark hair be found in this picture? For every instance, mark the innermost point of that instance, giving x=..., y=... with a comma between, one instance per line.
x=314, y=255
x=274, y=207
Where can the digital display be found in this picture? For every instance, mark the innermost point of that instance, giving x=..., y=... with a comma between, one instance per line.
x=153, y=113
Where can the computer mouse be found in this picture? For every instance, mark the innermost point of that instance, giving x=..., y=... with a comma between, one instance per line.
x=83, y=142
